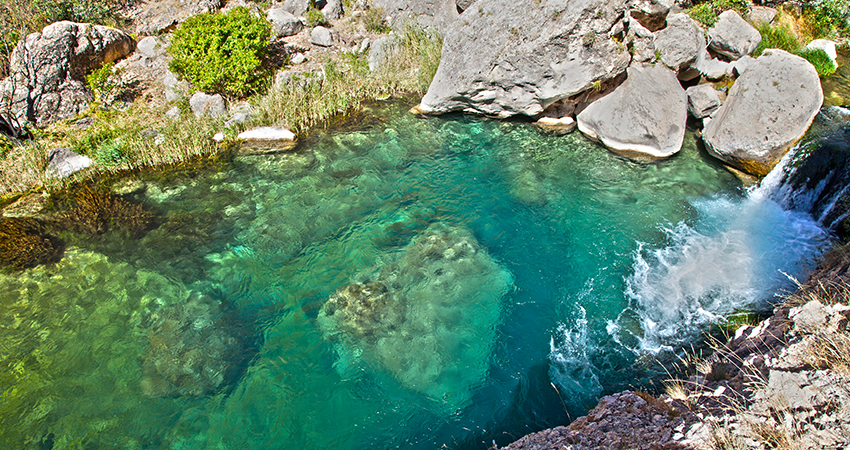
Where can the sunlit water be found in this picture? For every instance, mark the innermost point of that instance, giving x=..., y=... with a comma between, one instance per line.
x=407, y=283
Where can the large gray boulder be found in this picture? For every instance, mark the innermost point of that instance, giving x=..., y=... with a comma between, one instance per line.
x=680, y=44
x=297, y=7
x=284, y=23
x=48, y=69
x=332, y=10
x=439, y=14
x=643, y=118
x=504, y=58
x=732, y=36
x=769, y=108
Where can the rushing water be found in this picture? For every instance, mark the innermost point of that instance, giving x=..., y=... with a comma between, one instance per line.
x=411, y=283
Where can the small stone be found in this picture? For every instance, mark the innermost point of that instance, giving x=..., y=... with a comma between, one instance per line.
x=557, y=125
x=297, y=58
x=150, y=47
x=207, y=105
x=63, y=162
x=702, y=100
x=322, y=37
x=173, y=113
x=218, y=137
x=237, y=119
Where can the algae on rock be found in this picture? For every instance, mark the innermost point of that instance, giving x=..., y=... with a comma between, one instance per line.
x=427, y=315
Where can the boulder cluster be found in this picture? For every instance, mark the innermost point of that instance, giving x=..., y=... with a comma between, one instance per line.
x=629, y=73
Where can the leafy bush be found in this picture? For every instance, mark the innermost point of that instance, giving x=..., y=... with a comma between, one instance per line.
x=110, y=153
x=99, y=82
x=780, y=37
x=706, y=12
x=822, y=62
x=222, y=53
x=827, y=18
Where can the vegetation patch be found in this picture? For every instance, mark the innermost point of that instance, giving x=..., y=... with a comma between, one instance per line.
x=781, y=37
x=706, y=12
x=822, y=62
x=24, y=243
x=93, y=211
x=222, y=53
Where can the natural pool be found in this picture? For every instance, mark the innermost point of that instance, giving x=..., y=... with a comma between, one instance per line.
x=400, y=283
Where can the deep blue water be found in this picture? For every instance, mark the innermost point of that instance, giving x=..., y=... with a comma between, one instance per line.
x=511, y=278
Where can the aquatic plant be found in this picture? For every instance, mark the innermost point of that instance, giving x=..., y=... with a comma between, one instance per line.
x=25, y=243
x=93, y=211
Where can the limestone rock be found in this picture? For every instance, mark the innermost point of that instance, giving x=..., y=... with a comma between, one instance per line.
x=207, y=105
x=642, y=41
x=559, y=125
x=63, y=162
x=380, y=50
x=332, y=10
x=769, y=108
x=740, y=66
x=680, y=43
x=48, y=69
x=321, y=36
x=297, y=7
x=284, y=23
x=711, y=68
x=651, y=14
x=702, y=100
x=732, y=36
x=158, y=16
x=439, y=14
x=643, y=117
x=266, y=140
x=150, y=46
x=173, y=88
x=827, y=46
x=761, y=15
x=504, y=58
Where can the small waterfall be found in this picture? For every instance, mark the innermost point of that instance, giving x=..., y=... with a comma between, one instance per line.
x=817, y=179
x=739, y=252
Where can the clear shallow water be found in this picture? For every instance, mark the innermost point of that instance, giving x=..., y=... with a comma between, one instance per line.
x=411, y=283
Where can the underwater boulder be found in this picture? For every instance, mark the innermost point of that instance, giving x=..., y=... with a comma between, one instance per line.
x=427, y=316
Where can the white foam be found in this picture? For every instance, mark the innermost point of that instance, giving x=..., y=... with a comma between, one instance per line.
x=728, y=260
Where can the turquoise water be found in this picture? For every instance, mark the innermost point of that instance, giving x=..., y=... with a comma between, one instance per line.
x=401, y=283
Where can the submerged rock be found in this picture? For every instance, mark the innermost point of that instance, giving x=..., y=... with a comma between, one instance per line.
x=190, y=352
x=769, y=108
x=266, y=139
x=504, y=58
x=644, y=117
x=414, y=316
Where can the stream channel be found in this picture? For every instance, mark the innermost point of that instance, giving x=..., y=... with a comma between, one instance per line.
x=398, y=282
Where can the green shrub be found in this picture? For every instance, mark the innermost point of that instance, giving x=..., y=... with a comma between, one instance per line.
x=780, y=37
x=222, y=53
x=315, y=17
x=827, y=18
x=110, y=153
x=706, y=12
x=822, y=62
x=100, y=83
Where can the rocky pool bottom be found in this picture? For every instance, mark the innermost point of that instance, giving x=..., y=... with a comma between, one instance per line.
x=402, y=282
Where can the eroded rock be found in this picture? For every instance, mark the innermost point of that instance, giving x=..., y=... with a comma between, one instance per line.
x=680, y=43
x=504, y=58
x=769, y=108
x=284, y=23
x=643, y=118
x=702, y=100
x=48, y=69
x=732, y=36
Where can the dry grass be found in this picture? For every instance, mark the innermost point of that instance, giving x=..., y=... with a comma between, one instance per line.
x=311, y=100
